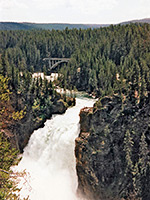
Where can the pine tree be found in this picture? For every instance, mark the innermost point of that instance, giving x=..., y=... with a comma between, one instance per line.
x=143, y=91
x=143, y=154
x=128, y=145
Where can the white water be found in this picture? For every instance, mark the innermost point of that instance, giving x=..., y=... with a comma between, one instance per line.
x=49, y=158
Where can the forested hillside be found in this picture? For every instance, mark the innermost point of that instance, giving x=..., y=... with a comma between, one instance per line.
x=46, y=26
x=103, y=61
x=145, y=20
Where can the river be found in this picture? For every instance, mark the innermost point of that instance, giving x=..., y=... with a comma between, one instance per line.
x=49, y=158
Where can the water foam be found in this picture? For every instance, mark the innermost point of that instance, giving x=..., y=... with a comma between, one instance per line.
x=49, y=158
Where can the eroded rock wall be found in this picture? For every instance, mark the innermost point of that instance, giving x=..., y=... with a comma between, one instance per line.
x=100, y=156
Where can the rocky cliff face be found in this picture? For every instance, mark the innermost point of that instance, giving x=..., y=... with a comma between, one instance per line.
x=33, y=120
x=102, y=159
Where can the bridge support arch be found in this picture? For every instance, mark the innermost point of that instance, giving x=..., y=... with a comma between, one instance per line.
x=54, y=62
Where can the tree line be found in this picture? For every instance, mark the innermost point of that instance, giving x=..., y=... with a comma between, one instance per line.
x=114, y=59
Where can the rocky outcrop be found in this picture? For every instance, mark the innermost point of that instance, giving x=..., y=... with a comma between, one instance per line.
x=60, y=106
x=35, y=119
x=101, y=160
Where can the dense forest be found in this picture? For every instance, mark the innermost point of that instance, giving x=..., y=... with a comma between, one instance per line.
x=114, y=60
x=103, y=61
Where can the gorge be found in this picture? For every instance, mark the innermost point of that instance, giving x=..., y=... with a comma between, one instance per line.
x=49, y=157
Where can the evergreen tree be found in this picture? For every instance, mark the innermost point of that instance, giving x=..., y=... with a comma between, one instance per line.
x=128, y=145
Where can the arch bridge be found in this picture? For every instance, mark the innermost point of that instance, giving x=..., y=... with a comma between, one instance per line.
x=54, y=62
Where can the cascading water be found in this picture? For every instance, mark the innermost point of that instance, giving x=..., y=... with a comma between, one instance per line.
x=49, y=157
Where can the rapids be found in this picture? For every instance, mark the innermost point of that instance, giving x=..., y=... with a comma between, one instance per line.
x=49, y=158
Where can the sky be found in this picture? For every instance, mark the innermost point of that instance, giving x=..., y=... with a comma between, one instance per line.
x=74, y=11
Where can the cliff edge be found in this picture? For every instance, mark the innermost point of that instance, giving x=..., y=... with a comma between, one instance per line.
x=112, y=151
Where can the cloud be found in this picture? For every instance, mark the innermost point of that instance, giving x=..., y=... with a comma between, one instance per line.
x=85, y=6
x=141, y=10
x=48, y=4
x=14, y=10
x=93, y=6
x=93, y=11
x=145, y=7
x=12, y=4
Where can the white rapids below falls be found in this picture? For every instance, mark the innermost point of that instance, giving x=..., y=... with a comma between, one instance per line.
x=49, y=158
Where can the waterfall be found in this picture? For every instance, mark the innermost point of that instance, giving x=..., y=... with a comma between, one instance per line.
x=49, y=158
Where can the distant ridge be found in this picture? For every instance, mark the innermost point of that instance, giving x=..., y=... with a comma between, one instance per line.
x=46, y=26
x=145, y=20
x=14, y=26
x=58, y=26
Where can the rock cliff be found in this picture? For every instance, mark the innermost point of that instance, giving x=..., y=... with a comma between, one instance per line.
x=106, y=167
x=35, y=119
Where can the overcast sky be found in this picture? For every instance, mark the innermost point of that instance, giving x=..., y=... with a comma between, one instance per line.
x=74, y=11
